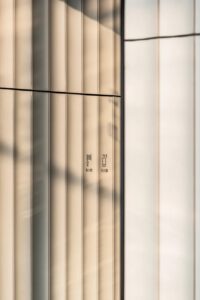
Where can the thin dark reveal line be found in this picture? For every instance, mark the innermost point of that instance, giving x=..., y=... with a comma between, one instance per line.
x=122, y=157
x=158, y=156
x=194, y=155
x=162, y=37
x=59, y=92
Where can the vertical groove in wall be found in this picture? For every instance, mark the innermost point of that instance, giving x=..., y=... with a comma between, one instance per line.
x=117, y=137
x=197, y=144
x=67, y=144
x=82, y=142
x=112, y=128
x=194, y=149
x=122, y=153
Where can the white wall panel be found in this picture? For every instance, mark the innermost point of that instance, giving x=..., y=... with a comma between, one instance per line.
x=141, y=185
x=197, y=13
x=174, y=72
x=176, y=17
x=150, y=18
x=141, y=18
x=177, y=169
x=162, y=218
x=197, y=166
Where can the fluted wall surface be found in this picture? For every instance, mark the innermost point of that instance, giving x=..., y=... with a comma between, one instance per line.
x=60, y=149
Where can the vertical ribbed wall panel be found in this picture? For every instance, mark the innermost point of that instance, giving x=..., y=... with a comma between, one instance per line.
x=106, y=150
x=75, y=198
x=40, y=194
x=58, y=194
x=106, y=199
x=197, y=145
x=41, y=151
x=23, y=44
x=75, y=48
x=75, y=153
x=40, y=40
x=117, y=171
x=58, y=45
x=90, y=150
x=141, y=181
x=117, y=46
x=58, y=142
x=91, y=46
x=7, y=122
x=7, y=195
x=50, y=27
x=106, y=47
x=60, y=150
x=90, y=198
x=117, y=146
x=7, y=39
x=23, y=149
x=197, y=169
x=23, y=194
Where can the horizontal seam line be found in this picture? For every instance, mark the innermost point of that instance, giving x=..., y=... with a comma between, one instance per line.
x=162, y=37
x=59, y=92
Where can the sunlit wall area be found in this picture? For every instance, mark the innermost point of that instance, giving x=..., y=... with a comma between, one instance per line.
x=60, y=140
x=162, y=150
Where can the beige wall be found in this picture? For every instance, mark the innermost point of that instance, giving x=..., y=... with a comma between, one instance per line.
x=59, y=119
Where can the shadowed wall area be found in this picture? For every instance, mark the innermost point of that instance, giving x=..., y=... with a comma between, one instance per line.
x=106, y=15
